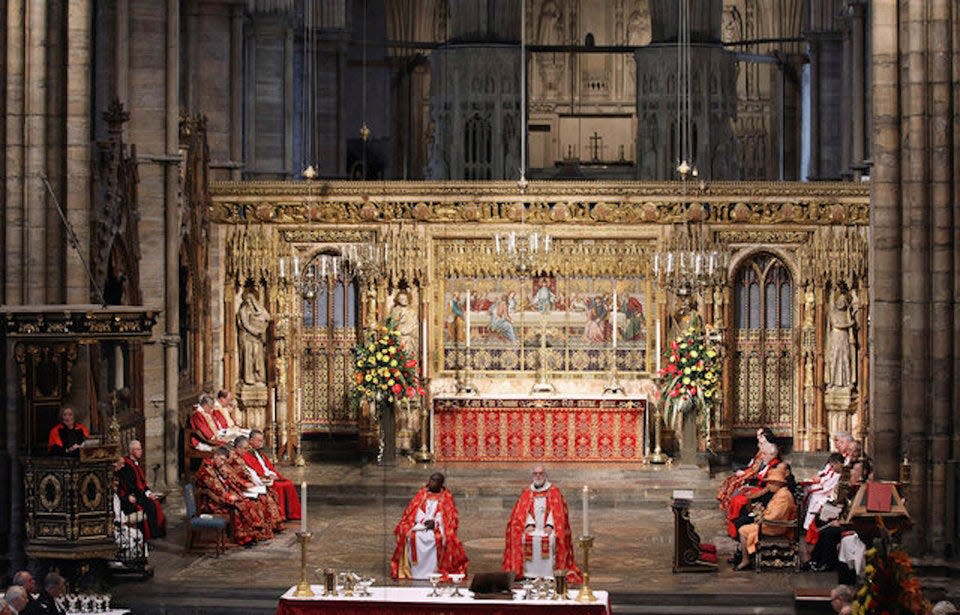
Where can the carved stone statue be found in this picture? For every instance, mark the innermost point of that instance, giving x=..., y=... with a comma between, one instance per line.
x=840, y=371
x=252, y=322
x=551, y=27
x=405, y=318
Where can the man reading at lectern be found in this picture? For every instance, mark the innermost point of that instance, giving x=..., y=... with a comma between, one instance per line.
x=539, y=540
x=427, y=535
x=68, y=435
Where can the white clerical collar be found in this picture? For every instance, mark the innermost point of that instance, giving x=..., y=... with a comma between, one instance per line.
x=544, y=487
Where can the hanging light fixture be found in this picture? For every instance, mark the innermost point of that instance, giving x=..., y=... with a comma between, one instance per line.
x=689, y=260
x=525, y=249
x=342, y=263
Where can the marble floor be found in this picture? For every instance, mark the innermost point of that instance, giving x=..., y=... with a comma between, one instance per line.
x=353, y=510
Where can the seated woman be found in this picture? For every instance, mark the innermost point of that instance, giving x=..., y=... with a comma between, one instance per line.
x=753, y=486
x=68, y=435
x=781, y=508
x=736, y=480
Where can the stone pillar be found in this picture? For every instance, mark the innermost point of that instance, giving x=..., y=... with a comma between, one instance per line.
x=236, y=91
x=34, y=194
x=16, y=263
x=171, y=229
x=914, y=258
x=77, y=199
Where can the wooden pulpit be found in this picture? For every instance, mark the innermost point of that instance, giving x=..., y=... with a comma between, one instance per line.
x=686, y=540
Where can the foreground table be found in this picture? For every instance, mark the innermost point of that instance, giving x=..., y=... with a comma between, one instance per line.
x=414, y=600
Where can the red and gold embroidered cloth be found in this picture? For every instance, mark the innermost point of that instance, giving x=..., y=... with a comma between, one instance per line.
x=471, y=429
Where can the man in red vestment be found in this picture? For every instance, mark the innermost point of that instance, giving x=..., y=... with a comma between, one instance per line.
x=218, y=493
x=427, y=535
x=67, y=436
x=135, y=494
x=539, y=539
x=222, y=417
x=206, y=433
x=261, y=464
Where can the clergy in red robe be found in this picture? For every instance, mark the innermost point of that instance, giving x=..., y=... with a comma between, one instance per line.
x=206, y=433
x=222, y=417
x=261, y=464
x=427, y=540
x=67, y=436
x=539, y=539
x=247, y=481
x=135, y=494
x=217, y=493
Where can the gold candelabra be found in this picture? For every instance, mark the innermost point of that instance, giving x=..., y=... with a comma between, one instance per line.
x=303, y=587
x=586, y=594
x=613, y=386
x=543, y=385
x=424, y=455
x=658, y=456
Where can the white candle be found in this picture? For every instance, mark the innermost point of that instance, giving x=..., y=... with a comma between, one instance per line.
x=586, y=511
x=273, y=403
x=303, y=506
x=281, y=266
x=658, y=345
x=468, y=318
x=614, y=318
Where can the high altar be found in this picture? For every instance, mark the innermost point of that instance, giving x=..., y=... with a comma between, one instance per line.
x=790, y=309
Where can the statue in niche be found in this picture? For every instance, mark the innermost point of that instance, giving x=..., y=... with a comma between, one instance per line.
x=648, y=152
x=252, y=322
x=405, y=319
x=551, y=30
x=840, y=373
x=638, y=27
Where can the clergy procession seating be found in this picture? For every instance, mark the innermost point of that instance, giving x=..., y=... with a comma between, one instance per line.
x=782, y=551
x=201, y=524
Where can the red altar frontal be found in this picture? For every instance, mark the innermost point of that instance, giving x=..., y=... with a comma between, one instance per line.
x=539, y=429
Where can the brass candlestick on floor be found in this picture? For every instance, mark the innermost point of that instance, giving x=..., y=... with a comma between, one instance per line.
x=303, y=587
x=586, y=594
x=658, y=456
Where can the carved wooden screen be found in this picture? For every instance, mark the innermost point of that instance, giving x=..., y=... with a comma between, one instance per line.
x=763, y=353
x=330, y=320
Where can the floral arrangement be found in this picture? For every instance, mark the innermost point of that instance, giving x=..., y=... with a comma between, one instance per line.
x=383, y=368
x=691, y=377
x=889, y=585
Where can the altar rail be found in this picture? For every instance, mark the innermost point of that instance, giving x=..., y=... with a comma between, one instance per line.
x=537, y=429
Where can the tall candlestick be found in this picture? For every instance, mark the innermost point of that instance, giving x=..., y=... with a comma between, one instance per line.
x=423, y=348
x=303, y=506
x=468, y=318
x=586, y=511
x=658, y=345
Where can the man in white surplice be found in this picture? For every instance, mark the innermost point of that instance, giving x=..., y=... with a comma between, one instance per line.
x=427, y=535
x=539, y=540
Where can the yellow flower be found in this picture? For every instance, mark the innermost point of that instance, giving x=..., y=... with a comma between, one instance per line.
x=371, y=360
x=368, y=377
x=711, y=353
x=390, y=382
x=686, y=380
x=371, y=347
x=694, y=354
x=686, y=370
x=393, y=363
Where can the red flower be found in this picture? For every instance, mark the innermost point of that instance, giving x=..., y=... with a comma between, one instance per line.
x=673, y=345
x=411, y=392
x=420, y=391
x=410, y=363
x=396, y=388
x=693, y=390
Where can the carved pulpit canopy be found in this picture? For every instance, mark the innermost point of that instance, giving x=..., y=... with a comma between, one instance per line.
x=76, y=322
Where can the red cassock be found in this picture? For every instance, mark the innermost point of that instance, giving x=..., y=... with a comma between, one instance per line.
x=202, y=423
x=217, y=494
x=133, y=481
x=518, y=542
x=285, y=489
x=451, y=558
x=62, y=437
x=237, y=472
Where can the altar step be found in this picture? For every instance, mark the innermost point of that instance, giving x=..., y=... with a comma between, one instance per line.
x=494, y=487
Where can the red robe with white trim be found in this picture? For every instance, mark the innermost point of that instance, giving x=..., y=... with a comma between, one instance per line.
x=517, y=540
x=133, y=481
x=451, y=558
x=285, y=489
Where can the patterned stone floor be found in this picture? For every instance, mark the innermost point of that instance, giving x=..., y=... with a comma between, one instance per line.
x=629, y=516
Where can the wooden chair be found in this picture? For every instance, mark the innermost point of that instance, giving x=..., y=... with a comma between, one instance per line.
x=198, y=525
x=782, y=551
x=192, y=458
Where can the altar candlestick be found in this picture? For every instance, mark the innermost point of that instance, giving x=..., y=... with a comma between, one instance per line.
x=423, y=348
x=281, y=267
x=303, y=506
x=658, y=346
x=586, y=511
x=468, y=319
